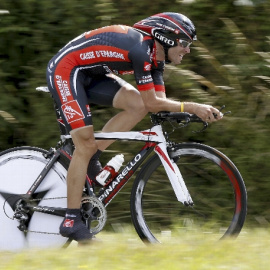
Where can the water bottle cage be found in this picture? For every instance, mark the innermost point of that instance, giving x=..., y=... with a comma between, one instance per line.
x=113, y=174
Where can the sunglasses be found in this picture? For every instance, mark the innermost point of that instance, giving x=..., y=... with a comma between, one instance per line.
x=184, y=43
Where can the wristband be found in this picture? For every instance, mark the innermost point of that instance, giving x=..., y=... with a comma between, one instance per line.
x=182, y=106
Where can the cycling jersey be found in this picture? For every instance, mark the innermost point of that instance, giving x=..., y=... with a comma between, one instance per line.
x=114, y=49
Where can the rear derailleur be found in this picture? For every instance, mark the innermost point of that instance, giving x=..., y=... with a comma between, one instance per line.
x=22, y=215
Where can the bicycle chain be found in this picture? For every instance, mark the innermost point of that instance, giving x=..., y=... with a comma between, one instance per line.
x=84, y=199
x=40, y=232
x=50, y=233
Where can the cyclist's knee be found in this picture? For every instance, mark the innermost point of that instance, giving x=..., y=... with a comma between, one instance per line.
x=84, y=141
x=86, y=149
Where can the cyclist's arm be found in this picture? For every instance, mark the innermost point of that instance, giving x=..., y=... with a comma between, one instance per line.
x=150, y=83
x=161, y=94
x=156, y=102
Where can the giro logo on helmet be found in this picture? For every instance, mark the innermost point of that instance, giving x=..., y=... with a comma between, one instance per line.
x=164, y=39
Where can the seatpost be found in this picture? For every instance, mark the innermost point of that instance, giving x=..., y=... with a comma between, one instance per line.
x=59, y=119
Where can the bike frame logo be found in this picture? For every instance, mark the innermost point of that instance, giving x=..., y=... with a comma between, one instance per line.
x=72, y=111
x=123, y=176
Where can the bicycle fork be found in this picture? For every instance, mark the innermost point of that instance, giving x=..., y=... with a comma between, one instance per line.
x=173, y=173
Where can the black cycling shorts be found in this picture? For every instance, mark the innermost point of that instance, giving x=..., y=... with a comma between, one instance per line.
x=74, y=91
x=101, y=91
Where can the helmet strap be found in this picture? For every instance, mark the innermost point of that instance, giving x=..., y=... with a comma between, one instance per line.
x=166, y=49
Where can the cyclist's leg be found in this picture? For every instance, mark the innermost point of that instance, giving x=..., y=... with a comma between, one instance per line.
x=67, y=88
x=113, y=91
x=110, y=90
x=129, y=100
x=85, y=146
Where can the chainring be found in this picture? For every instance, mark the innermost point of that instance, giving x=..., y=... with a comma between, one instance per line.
x=94, y=213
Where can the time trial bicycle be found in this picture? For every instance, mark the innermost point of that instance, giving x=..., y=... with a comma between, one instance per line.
x=179, y=186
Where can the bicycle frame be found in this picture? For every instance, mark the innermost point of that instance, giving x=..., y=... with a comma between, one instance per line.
x=156, y=141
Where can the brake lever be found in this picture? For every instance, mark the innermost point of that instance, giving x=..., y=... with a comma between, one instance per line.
x=205, y=125
x=199, y=120
x=221, y=108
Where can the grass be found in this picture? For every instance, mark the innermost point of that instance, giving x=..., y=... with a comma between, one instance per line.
x=251, y=250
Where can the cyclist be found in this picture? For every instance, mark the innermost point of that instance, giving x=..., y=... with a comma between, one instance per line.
x=85, y=71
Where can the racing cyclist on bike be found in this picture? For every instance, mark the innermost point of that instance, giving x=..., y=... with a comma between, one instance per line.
x=85, y=71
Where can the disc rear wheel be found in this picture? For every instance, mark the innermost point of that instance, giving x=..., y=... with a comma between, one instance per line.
x=19, y=168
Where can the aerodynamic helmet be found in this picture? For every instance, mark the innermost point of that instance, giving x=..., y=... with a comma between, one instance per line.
x=168, y=28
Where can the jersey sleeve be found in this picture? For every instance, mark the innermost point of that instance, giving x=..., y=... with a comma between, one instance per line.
x=147, y=74
x=157, y=75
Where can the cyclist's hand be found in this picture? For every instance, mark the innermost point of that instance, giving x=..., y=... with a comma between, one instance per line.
x=207, y=113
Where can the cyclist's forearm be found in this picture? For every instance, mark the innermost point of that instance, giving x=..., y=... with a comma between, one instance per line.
x=161, y=103
x=155, y=103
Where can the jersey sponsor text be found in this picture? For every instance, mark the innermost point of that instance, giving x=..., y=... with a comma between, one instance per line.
x=63, y=87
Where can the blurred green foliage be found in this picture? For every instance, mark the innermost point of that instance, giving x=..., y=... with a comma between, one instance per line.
x=229, y=64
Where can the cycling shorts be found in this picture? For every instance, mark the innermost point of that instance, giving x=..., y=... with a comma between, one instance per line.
x=74, y=94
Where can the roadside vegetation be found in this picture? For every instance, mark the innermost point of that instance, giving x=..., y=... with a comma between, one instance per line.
x=126, y=251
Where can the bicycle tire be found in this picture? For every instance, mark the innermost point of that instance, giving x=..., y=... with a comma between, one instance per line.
x=216, y=187
x=19, y=167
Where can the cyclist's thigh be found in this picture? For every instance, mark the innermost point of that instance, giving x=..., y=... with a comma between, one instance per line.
x=102, y=90
x=67, y=85
x=129, y=98
x=111, y=90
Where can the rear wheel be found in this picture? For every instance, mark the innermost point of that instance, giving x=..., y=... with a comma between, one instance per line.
x=214, y=183
x=19, y=168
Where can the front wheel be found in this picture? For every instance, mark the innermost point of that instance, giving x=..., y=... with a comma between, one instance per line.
x=214, y=183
